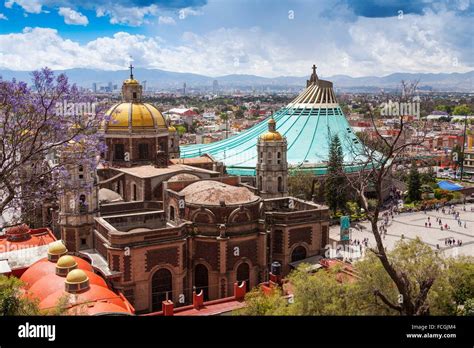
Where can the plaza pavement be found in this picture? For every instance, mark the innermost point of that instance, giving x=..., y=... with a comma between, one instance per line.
x=412, y=225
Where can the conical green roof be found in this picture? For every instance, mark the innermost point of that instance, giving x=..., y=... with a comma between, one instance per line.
x=308, y=123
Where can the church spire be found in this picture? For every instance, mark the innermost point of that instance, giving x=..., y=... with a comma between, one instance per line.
x=314, y=77
x=131, y=71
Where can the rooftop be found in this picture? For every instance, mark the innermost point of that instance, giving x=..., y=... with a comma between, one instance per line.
x=210, y=192
x=149, y=171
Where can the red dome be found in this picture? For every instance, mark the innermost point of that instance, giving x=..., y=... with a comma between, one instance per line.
x=94, y=308
x=92, y=294
x=51, y=283
x=45, y=267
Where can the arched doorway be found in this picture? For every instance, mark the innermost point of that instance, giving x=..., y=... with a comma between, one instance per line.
x=243, y=274
x=201, y=280
x=299, y=253
x=161, y=284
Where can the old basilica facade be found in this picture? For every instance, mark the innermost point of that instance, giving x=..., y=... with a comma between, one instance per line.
x=159, y=227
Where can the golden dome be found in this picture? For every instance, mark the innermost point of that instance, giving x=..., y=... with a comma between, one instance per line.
x=171, y=129
x=271, y=136
x=130, y=82
x=66, y=261
x=76, y=276
x=57, y=248
x=140, y=116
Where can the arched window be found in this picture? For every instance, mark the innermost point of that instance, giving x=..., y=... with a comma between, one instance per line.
x=161, y=285
x=280, y=184
x=299, y=253
x=81, y=172
x=243, y=274
x=260, y=183
x=135, y=193
x=82, y=203
x=279, y=157
x=201, y=280
x=172, y=213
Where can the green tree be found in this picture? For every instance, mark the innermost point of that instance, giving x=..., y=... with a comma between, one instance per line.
x=181, y=129
x=462, y=110
x=322, y=293
x=12, y=301
x=258, y=303
x=414, y=184
x=335, y=185
x=300, y=184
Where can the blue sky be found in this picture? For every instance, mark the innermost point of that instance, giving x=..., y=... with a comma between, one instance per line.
x=218, y=37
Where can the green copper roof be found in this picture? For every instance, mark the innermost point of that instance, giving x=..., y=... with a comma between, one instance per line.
x=308, y=133
x=308, y=123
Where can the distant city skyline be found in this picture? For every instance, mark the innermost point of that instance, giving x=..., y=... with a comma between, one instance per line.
x=214, y=38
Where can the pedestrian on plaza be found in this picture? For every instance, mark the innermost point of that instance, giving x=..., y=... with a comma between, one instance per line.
x=426, y=224
x=465, y=226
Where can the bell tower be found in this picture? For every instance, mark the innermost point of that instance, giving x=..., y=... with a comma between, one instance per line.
x=131, y=90
x=78, y=199
x=272, y=165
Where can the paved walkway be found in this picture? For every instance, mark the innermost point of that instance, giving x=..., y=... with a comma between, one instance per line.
x=412, y=225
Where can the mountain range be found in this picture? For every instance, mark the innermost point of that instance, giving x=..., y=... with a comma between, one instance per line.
x=162, y=79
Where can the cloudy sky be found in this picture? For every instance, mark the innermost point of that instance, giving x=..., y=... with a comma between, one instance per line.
x=220, y=37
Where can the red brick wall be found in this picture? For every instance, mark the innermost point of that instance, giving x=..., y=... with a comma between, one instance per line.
x=303, y=234
x=157, y=256
x=209, y=251
x=247, y=248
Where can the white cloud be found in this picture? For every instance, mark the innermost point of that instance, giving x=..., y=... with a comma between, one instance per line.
x=133, y=16
x=366, y=46
x=3, y=17
x=73, y=17
x=188, y=11
x=166, y=20
x=30, y=6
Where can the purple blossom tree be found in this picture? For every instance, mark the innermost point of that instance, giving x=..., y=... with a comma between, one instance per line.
x=38, y=123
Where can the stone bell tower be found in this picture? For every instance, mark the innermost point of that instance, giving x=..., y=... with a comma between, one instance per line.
x=272, y=165
x=78, y=199
x=132, y=90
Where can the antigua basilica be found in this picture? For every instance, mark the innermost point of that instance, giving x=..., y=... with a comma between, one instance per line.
x=164, y=222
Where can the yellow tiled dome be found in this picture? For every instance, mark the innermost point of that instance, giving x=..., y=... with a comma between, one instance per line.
x=130, y=82
x=140, y=116
x=66, y=261
x=57, y=248
x=271, y=136
x=76, y=276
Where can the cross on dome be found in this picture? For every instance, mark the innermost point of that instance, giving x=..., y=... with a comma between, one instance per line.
x=131, y=71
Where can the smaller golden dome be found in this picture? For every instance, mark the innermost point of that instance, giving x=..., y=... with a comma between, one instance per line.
x=57, y=248
x=76, y=276
x=171, y=129
x=66, y=261
x=271, y=121
x=271, y=136
x=130, y=82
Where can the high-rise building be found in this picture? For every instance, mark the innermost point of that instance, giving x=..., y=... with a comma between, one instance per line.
x=94, y=87
x=215, y=87
x=184, y=88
